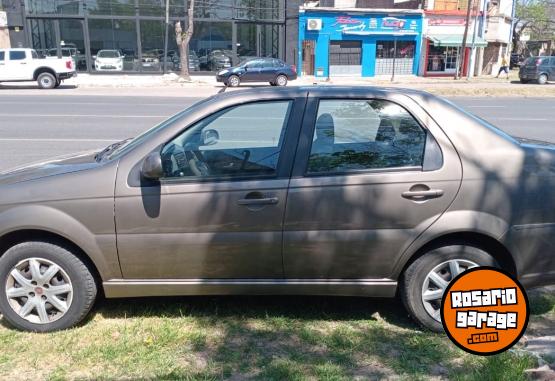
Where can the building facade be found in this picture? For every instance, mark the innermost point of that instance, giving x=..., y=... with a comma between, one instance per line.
x=359, y=42
x=225, y=31
x=500, y=14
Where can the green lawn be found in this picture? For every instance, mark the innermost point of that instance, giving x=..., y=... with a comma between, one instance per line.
x=267, y=338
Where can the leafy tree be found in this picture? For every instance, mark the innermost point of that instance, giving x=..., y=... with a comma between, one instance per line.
x=536, y=17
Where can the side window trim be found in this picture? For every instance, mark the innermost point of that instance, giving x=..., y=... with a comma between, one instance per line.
x=432, y=154
x=285, y=160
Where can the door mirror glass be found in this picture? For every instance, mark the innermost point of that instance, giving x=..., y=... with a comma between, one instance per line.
x=152, y=166
x=210, y=137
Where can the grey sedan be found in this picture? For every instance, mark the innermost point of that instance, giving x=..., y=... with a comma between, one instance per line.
x=315, y=190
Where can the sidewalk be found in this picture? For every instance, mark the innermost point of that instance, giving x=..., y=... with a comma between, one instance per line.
x=203, y=86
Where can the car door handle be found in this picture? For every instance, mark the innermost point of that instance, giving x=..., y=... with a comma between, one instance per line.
x=258, y=201
x=422, y=194
x=23, y=63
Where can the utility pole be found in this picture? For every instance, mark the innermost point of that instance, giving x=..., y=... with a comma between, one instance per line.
x=458, y=73
x=472, y=61
x=394, y=56
x=166, y=39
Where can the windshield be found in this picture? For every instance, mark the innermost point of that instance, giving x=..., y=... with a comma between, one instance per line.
x=132, y=143
x=108, y=54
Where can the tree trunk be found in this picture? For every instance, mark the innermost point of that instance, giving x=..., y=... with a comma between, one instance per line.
x=183, y=38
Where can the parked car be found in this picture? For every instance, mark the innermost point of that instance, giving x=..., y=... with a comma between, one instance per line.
x=215, y=60
x=539, y=69
x=20, y=65
x=271, y=70
x=174, y=61
x=516, y=60
x=108, y=60
x=150, y=61
x=387, y=191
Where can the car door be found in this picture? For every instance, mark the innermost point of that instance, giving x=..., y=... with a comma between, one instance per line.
x=372, y=173
x=218, y=210
x=18, y=65
x=268, y=70
x=252, y=71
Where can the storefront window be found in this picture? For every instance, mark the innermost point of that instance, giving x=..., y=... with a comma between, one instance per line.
x=111, y=7
x=442, y=59
x=257, y=10
x=113, y=45
x=152, y=44
x=212, y=43
x=214, y=9
x=58, y=7
x=152, y=7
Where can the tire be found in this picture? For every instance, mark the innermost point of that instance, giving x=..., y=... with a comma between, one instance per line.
x=46, y=81
x=281, y=80
x=415, y=279
x=233, y=81
x=73, y=275
x=523, y=80
x=542, y=79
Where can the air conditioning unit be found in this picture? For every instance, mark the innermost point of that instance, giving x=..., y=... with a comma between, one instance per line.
x=314, y=24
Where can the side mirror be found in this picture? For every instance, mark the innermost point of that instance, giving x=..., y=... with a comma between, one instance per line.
x=152, y=166
x=210, y=137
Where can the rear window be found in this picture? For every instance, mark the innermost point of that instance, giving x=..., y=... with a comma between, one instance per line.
x=16, y=55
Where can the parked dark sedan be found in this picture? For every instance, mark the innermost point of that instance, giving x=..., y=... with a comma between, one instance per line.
x=271, y=70
x=313, y=190
x=538, y=69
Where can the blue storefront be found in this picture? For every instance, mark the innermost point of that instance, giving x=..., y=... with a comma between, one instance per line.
x=359, y=43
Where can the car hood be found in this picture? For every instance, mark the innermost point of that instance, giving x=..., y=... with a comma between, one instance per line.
x=60, y=165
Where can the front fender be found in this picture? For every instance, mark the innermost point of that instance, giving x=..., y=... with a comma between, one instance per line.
x=101, y=249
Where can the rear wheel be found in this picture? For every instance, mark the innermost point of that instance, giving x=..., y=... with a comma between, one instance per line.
x=542, y=79
x=44, y=287
x=233, y=81
x=46, y=81
x=426, y=279
x=281, y=80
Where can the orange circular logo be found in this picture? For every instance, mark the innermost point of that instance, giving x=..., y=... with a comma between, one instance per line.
x=484, y=311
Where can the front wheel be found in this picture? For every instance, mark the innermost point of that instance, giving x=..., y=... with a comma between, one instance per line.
x=281, y=80
x=46, y=81
x=233, y=81
x=425, y=280
x=44, y=287
x=542, y=79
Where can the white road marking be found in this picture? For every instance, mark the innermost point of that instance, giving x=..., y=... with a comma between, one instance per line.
x=82, y=116
x=57, y=140
x=520, y=119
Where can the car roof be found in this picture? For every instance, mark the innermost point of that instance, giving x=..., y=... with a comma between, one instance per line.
x=323, y=91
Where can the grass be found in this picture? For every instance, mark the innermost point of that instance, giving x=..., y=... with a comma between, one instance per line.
x=266, y=338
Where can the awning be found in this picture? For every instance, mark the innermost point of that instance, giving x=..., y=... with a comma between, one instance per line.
x=456, y=40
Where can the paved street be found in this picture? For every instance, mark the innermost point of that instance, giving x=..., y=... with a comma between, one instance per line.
x=35, y=127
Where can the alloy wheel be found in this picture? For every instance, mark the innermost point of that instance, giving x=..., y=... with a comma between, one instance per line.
x=46, y=81
x=437, y=281
x=39, y=290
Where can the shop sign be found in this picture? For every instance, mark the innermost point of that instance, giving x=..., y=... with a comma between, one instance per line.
x=348, y=23
x=446, y=21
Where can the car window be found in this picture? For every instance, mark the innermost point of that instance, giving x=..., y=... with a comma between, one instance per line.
x=34, y=54
x=16, y=55
x=2, y=54
x=355, y=135
x=245, y=140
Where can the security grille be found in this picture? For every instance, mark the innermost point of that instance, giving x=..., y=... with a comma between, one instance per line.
x=345, y=58
x=403, y=55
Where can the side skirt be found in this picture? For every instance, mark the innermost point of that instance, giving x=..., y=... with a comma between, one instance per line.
x=123, y=288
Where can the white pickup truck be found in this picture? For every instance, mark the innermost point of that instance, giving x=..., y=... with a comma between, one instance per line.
x=18, y=65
